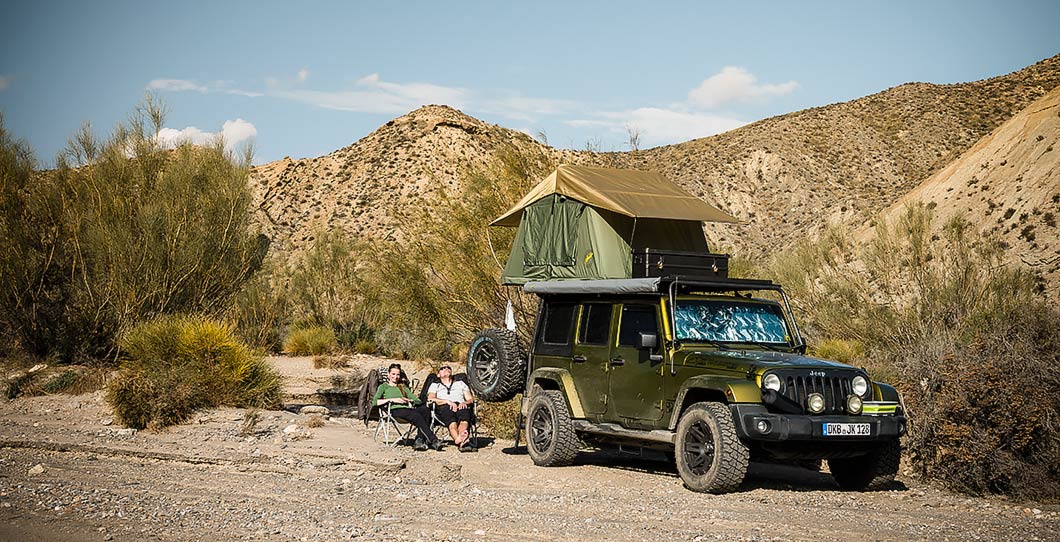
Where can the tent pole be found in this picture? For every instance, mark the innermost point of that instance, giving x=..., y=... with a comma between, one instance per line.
x=493, y=252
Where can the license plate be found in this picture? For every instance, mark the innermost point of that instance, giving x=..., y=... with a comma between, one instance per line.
x=846, y=429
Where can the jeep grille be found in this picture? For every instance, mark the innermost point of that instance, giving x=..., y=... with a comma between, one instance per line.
x=834, y=386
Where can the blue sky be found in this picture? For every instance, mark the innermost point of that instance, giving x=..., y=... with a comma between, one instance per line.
x=305, y=78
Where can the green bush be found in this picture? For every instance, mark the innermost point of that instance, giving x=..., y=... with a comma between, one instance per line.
x=310, y=341
x=970, y=343
x=260, y=309
x=442, y=281
x=121, y=230
x=175, y=365
x=498, y=419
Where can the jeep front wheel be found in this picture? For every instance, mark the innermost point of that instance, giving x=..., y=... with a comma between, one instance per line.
x=550, y=437
x=871, y=472
x=496, y=365
x=710, y=457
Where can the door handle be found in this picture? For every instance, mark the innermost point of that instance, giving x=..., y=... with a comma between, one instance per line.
x=617, y=361
x=579, y=359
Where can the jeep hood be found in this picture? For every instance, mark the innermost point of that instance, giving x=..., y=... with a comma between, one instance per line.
x=762, y=359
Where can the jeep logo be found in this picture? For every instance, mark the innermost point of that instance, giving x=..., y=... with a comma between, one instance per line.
x=816, y=373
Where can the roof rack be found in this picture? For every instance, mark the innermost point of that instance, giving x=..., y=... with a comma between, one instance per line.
x=652, y=285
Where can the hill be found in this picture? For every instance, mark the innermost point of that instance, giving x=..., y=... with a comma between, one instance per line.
x=1008, y=183
x=791, y=175
x=786, y=176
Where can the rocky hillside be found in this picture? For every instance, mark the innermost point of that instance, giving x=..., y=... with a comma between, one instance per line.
x=1008, y=184
x=408, y=161
x=786, y=176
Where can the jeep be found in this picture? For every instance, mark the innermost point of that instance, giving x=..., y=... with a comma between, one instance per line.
x=711, y=370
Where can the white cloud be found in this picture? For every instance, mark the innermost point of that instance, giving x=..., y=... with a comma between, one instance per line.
x=735, y=84
x=234, y=132
x=524, y=108
x=378, y=96
x=186, y=85
x=303, y=74
x=660, y=126
x=176, y=85
x=4, y=82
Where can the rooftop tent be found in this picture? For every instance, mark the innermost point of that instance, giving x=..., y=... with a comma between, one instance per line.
x=582, y=223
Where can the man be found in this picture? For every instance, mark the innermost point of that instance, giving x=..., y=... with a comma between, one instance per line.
x=453, y=400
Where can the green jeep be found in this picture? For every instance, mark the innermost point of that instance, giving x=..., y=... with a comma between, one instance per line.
x=711, y=370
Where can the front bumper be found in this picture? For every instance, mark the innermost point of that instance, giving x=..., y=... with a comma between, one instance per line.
x=802, y=427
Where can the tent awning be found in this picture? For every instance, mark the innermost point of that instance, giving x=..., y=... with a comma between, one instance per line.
x=641, y=194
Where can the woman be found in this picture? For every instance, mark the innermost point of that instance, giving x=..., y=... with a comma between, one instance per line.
x=403, y=406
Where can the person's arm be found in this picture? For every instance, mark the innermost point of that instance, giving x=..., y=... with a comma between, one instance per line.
x=376, y=399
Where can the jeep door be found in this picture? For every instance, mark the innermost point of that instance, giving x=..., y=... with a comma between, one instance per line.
x=635, y=381
x=591, y=356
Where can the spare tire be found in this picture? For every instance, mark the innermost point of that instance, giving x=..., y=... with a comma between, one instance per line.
x=496, y=365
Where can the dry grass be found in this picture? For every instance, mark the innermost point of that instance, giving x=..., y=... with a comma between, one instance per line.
x=175, y=365
x=310, y=341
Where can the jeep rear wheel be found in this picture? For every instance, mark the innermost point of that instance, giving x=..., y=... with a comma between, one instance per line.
x=496, y=365
x=550, y=437
x=710, y=457
x=871, y=472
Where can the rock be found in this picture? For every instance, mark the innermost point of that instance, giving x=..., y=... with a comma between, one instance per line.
x=315, y=409
x=480, y=532
x=125, y=433
x=107, y=421
x=290, y=429
x=36, y=470
x=38, y=367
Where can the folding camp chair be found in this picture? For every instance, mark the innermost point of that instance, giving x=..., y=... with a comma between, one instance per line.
x=391, y=428
x=440, y=429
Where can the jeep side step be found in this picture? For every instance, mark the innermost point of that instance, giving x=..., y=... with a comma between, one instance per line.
x=615, y=430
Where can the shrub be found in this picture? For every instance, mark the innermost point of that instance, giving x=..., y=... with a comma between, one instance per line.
x=310, y=341
x=498, y=419
x=968, y=341
x=120, y=230
x=175, y=365
x=844, y=351
x=329, y=362
x=441, y=283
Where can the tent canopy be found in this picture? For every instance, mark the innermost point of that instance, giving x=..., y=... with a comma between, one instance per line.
x=639, y=194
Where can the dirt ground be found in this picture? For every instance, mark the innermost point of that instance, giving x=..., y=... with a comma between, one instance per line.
x=68, y=472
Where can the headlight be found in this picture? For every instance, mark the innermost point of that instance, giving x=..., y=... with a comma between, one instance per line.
x=815, y=403
x=860, y=385
x=771, y=382
x=854, y=404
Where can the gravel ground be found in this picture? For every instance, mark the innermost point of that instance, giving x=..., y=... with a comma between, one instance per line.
x=68, y=473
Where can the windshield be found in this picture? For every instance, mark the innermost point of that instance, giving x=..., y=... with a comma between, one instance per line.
x=730, y=321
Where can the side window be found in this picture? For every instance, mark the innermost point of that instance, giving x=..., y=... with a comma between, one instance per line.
x=595, y=323
x=557, y=328
x=636, y=319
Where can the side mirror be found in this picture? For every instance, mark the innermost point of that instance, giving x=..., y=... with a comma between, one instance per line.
x=647, y=341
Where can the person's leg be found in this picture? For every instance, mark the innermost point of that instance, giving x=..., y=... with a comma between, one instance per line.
x=463, y=417
x=446, y=416
x=416, y=417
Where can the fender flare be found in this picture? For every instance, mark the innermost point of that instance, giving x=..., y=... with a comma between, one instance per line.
x=735, y=390
x=565, y=381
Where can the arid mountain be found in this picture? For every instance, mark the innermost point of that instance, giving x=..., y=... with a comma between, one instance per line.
x=787, y=176
x=407, y=161
x=1009, y=184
